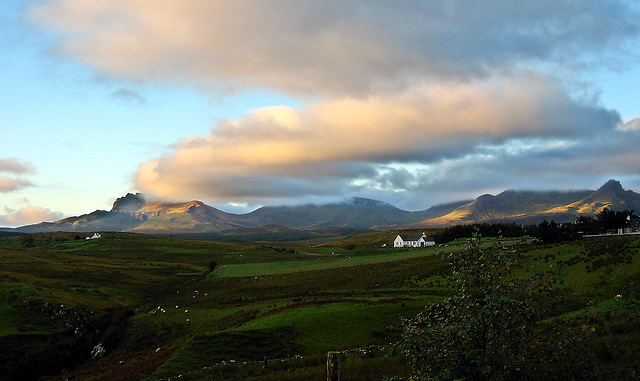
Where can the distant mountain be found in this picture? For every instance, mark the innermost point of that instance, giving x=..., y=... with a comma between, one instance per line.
x=192, y=217
x=611, y=195
x=356, y=213
x=133, y=213
x=99, y=220
x=528, y=207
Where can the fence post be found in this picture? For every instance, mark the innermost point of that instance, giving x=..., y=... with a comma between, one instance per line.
x=333, y=366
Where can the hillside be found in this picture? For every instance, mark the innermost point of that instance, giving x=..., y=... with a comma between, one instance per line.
x=134, y=214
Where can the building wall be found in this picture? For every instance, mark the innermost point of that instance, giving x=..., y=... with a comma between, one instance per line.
x=427, y=243
x=399, y=242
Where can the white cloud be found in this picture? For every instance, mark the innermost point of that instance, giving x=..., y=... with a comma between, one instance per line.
x=32, y=215
x=332, y=48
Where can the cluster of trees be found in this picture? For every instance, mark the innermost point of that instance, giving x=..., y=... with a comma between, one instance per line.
x=546, y=231
x=607, y=221
x=485, y=229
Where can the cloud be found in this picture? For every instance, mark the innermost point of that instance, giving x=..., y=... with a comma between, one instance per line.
x=8, y=184
x=356, y=145
x=332, y=48
x=418, y=99
x=129, y=95
x=630, y=125
x=32, y=215
x=16, y=166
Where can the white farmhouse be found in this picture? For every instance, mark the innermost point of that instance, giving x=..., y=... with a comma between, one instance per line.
x=94, y=236
x=413, y=240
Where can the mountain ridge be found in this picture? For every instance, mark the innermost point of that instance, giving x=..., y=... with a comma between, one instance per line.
x=134, y=214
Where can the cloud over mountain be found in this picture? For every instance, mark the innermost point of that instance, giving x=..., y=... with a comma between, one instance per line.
x=440, y=98
x=345, y=144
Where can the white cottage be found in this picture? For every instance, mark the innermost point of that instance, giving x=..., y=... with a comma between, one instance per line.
x=94, y=236
x=413, y=240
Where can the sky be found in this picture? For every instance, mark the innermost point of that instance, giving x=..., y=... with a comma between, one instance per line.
x=242, y=104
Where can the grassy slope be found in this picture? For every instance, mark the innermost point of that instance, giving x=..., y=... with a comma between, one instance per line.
x=320, y=308
x=340, y=325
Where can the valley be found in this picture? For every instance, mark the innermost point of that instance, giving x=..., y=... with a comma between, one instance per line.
x=165, y=307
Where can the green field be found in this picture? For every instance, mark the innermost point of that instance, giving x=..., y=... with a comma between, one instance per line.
x=321, y=262
x=160, y=312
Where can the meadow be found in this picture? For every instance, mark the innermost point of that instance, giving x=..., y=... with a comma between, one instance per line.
x=267, y=311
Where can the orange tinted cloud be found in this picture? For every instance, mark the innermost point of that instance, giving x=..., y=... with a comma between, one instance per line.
x=32, y=215
x=343, y=142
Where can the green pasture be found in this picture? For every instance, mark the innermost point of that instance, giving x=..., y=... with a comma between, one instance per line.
x=592, y=270
x=312, y=299
x=333, y=258
x=317, y=263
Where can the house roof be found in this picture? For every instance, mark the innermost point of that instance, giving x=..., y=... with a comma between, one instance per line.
x=414, y=237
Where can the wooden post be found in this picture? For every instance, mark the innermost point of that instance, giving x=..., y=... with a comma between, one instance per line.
x=333, y=366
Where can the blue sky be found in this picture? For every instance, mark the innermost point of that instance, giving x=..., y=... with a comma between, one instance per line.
x=248, y=104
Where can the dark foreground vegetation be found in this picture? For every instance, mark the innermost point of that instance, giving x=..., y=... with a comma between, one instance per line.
x=130, y=306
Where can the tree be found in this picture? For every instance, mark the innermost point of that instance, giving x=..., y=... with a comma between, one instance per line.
x=489, y=329
x=28, y=240
x=609, y=220
x=212, y=265
x=586, y=225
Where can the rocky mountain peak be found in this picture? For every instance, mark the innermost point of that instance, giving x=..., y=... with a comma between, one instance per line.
x=611, y=191
x=129, y=203
x=612, y=186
